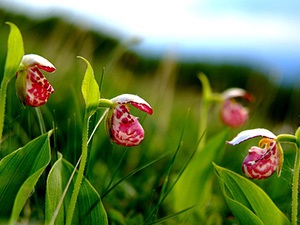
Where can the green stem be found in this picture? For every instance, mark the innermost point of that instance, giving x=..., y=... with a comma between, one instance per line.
x=287, y=138
x=41, y=120
x=297, y=134
x=203, y=123
x=79, y=178
x=206, y=95
x=97, y=125
x=295, y=188
x=106, y=103
x=2, y=106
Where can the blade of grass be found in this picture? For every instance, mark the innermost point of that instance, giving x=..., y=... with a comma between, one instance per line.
x=101, y=80
x=177, y=178
x=164, y=219
x=117, y=169
x=54, y=150
x=183, y=168
x=170, y=166
x=132, y=173
x=97, y=125
x=41, y=120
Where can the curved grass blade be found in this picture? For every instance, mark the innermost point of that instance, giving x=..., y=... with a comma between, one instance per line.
x=164, y=219
x=164, y=191
x=132, y=173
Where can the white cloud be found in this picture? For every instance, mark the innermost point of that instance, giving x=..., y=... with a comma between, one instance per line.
x=176, y=20
x=267, y=29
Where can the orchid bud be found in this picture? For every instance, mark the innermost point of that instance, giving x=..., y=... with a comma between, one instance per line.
x=233, y=114
x=264, y=160
x=261, y=163
x=32, y=87
x=122, y=127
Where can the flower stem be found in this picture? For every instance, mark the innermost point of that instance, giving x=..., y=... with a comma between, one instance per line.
x=203, y=123
x=97, y=125
x=295, y=187
x=106, y=103
x=2, y=106
x=41, y=120
x=206, y=95
x=79, y=178
x=288, y=138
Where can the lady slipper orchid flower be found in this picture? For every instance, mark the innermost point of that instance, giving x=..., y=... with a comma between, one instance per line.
x=232, y=113
x=264, y=160
x=122, y=127
x=32, y=87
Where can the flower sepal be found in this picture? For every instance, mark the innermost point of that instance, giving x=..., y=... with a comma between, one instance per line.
x=248, y=134
x=21, y=86
x=135, y=101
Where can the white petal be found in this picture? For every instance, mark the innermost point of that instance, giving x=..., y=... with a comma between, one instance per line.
x=33, y=59
x=233, y=93
x=248, y=134
x=127, y=98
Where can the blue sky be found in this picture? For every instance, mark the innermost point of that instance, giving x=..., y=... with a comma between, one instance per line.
x=262, y=33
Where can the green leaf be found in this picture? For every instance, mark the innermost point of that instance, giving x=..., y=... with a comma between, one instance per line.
x=247, y=201
x=207, y=92
x=15, y=52
x=19, y=172
x=90, y=89
x=195, y=184
x=89, y=208
x=242, y=213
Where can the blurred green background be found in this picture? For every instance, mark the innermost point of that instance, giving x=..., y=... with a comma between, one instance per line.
x=172, y=89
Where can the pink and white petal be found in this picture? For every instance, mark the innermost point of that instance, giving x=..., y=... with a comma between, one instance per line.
x=248, y=134
x=32, y=60
x=46, y=68
x=38, y=89
x=261, y=163
x=134, y=100
x=125, y=129
x=144, y=107
x=233, y=114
